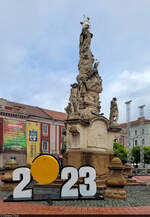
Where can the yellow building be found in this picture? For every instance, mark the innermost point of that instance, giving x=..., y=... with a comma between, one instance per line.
x=33, y=140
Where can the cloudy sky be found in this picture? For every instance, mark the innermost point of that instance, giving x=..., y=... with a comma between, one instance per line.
x=39, y=51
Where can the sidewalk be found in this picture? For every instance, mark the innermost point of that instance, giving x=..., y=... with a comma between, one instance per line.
x=25, y=208
x=142, y=179
x=137, y=202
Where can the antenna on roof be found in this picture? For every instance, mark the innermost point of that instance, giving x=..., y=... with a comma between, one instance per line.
x=128, y=110
x=128, y=129
x=141, y=113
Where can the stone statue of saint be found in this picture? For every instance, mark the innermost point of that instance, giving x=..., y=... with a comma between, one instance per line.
x=114, y=114
x=68, y=110
x=74, y=98
x=85, y=39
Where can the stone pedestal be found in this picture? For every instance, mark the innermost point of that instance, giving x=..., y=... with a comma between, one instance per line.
x=9, y=167
x=116, y=182
x=100, y=161
x=90, y=143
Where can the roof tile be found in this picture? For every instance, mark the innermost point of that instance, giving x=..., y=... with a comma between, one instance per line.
x=56, y=115
x=39, y=112
x=132, y=123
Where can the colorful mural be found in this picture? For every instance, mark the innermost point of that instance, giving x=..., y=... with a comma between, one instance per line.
x=14, y=135
x=33, y=140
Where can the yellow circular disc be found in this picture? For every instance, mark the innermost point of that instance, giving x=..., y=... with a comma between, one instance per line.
x=45, y=169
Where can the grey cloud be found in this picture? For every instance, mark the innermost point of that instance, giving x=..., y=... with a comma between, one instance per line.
x=39, y=48
x=128, y=86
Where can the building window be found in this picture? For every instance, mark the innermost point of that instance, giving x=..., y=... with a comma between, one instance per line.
x=45, y=146
x=135, y=132
x=45, y=130
x=143, y=141
x=142, y=131
x=121, y=140
x=136, y=143
x=129, y=132
x=63, y=133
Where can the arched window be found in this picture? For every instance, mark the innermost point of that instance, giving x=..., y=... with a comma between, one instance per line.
x=136, y=142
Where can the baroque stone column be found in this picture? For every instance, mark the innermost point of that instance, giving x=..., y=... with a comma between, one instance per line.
x=89, y=134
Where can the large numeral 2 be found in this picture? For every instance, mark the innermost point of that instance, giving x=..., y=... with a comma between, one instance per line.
x=19, y=191
x=67, y=190
x=87, y=189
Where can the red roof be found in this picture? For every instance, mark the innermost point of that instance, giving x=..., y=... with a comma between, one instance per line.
x=31, y=110
x=38, y=112
x=56, y=115
x=132, y=123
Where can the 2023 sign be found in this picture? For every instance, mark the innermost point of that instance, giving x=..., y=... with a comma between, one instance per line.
x=45, y=169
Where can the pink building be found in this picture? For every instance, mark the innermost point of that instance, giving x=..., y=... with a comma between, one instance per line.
x=13, y=133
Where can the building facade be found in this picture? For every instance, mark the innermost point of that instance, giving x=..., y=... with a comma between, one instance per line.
x=26, y=131
x=136, y=132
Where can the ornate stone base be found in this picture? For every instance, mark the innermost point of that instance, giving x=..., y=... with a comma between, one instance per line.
x=8, y=186
x=116, y=193
x=116, y=182
x=100, y=161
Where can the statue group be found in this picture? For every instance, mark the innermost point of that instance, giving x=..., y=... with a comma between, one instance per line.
x=84, y=100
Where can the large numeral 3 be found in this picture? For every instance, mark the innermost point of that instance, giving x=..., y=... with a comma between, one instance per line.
x=87, y=189
x=89, y=186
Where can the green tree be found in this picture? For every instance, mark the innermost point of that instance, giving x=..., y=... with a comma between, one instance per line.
x=147, y=154
x=64, y=148
x=120, y=151
x=135, y=154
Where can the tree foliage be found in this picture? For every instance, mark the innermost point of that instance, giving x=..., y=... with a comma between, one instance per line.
x=120, y=151
x=135, y=153
x=147, y=154
x=64, y=148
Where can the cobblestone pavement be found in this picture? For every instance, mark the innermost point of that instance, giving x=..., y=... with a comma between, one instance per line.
x=136, y=196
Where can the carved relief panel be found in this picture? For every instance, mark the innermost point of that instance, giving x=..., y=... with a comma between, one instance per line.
x=97, y=136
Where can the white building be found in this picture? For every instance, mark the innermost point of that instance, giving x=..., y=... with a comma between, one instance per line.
x=138, y=133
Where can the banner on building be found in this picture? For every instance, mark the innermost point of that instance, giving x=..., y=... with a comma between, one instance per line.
x=14, y=135
x=33, y=140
